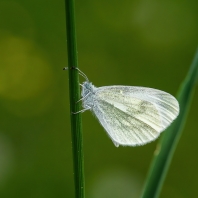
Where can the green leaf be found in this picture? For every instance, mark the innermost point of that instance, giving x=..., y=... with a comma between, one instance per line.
x=168, y=142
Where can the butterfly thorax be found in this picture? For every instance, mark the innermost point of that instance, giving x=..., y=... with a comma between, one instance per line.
x=88, y=92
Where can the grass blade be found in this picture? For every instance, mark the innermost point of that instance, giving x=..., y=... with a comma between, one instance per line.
x=76, y=125
x=170, y=138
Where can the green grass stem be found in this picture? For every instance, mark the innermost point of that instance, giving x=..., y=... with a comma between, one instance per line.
x=76, y=124
x=168, y=142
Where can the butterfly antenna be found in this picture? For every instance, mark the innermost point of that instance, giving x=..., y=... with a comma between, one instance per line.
x=80, y=72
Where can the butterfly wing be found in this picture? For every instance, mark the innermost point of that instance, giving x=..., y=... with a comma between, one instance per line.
x=134, y=115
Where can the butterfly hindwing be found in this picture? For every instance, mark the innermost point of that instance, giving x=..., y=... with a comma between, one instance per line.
x=134, y=115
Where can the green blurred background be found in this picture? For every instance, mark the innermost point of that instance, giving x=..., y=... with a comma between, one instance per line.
x=140, y=42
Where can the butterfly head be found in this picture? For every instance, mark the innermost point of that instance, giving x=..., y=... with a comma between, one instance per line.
x=87, y=87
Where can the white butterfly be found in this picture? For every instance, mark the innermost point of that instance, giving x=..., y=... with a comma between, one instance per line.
x=131, y=116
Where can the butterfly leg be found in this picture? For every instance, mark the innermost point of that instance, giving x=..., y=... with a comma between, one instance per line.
x=81, y=111
x=83, y=97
